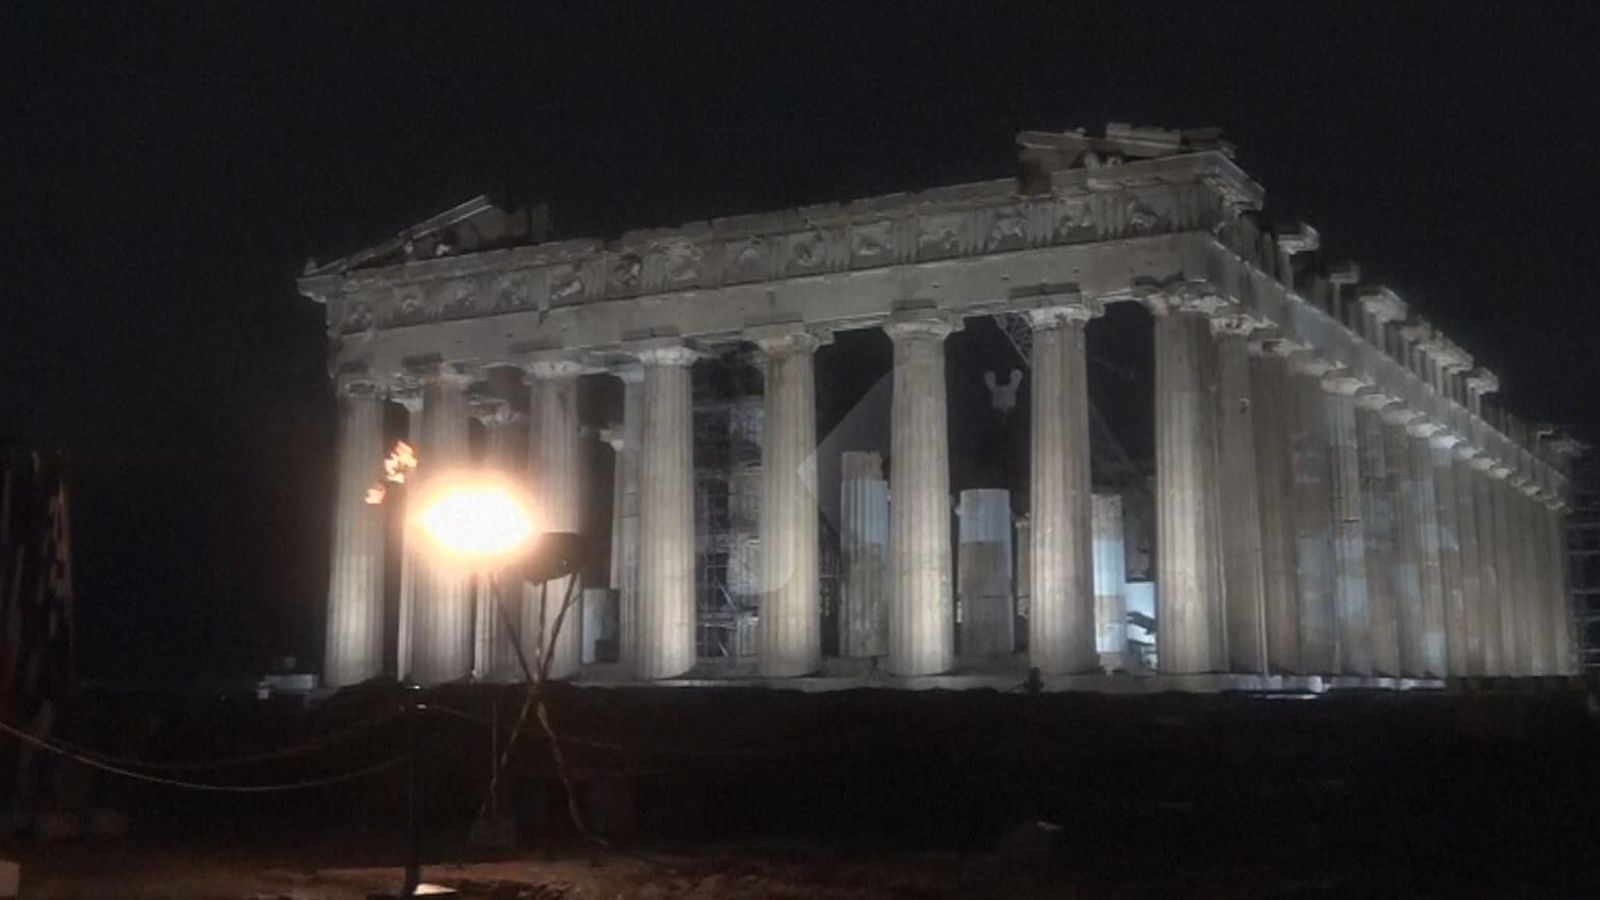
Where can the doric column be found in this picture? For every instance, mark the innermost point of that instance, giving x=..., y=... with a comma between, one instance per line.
x=504, y=451
x=1530, y=563
x=1406, y=572
x=921, y=601
x=442, y=612
x=1380, y=484
x=1508, y=570
x=1425, y=506
x=1489, y=587
x=666, y=619
x=864, y=548
x=1471, y=565
x=1242, y=572
x=1442, y=447
x=1560, y=606
x=1352, y=613
x=790, y=624
x=1271, y=410
x=1191, y=613
x=411, y=548
x=1110, y=583
x=625, y=510
x=555, y=459
x=1314, y=523
x=354, y=645
x=1061, y=630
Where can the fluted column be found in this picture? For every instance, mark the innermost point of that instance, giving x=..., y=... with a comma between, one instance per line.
x=864, y=548
x=666, y=607
x=1435, y=643
x=1530, y=624
x=1410, y=560
x=1243, y=575
x=556, y=474
x=1351, y=603
x=494, y=657
x=1471, y=565
x=1508, y=560
x=1560, y=604
x=442, y=612
x=1489, y=587
x=1442, y=450
x=625, y=510
x=1191, y=614
x=1061, y=622
x=1380, y=485
x=790, y=624
x=1314, y=521
x=354, y=641
x=1271, y=409
x=921, y=601
x=411, y=548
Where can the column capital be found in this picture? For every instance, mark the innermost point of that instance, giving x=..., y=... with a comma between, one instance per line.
x=1376, y=401
x=554, y=368
x=1483, y=462
x=1305, y=362
x=1466, y=451
x=1500, y=471
x=1188, y=296
x=1343, y=382
x=1421, y=427
x=364, y=386
x=1302, y=239
x=1383, y=304
x=1400, y=415
x=778, y=340
x=1481, y=381
x=1445, y=439
x=1044, y=318
x=1233, y=324
x=664, y=352
x=922, y=328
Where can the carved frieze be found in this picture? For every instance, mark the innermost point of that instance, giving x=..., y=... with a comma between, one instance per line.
x=872, y=244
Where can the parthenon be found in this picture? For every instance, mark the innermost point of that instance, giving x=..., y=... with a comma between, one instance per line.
x=1336, y=493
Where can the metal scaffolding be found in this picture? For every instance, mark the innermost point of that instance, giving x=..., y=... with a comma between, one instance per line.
x=1583, y=560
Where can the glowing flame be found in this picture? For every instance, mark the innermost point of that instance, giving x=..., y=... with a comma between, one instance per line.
x=477, y=520
x=397, y=466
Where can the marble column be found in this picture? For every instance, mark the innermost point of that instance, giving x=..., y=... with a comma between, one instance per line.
x=494, y=657
x=1110, y=583
x=1406, y=573
x=1442, y=452
x=625, y=510
x=1471, y=564
x=1489, y=586
x=551, y=639
x=1242, y=571
x=1314, y=520
x=1560, y=606
x=1531, y=625
x=1351, y=603
x=1507, y=523
x=864, y=548
x=790, y=624
x=1061, y=629
x=354, y=641
x=1380, y=486
x=411, y=548
x=666, y=620
x=1271, y=410
x=442, y=612
x=921, y=596
x=1425, y=506
x=1190, y=609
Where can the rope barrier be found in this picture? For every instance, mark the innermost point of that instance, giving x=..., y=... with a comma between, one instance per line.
x=45, y=745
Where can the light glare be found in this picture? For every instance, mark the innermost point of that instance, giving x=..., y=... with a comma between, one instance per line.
x=477, y=522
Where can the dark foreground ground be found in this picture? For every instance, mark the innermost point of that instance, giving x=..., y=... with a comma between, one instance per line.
x=1487, y=792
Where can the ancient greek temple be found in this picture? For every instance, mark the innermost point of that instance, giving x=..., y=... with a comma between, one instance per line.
x=1336, y=493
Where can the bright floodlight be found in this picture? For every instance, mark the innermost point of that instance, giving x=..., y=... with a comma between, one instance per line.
x=477, y=521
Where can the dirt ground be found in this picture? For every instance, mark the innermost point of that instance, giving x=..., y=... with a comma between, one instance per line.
x=89, y=873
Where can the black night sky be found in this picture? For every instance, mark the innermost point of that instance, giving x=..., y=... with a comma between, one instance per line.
x=170, y=168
